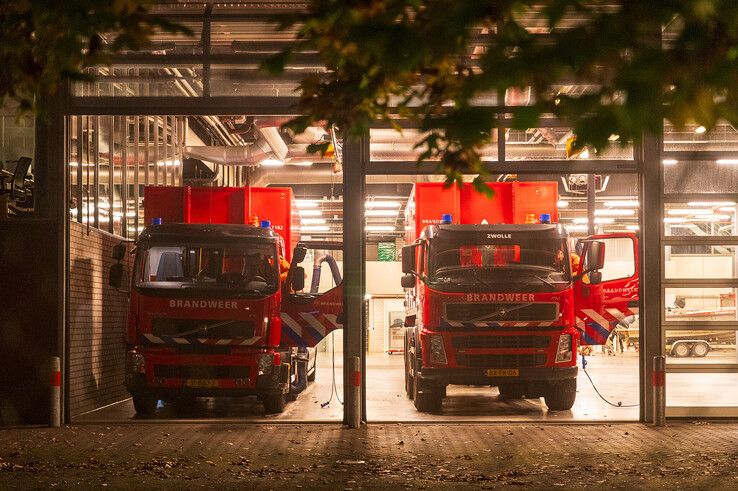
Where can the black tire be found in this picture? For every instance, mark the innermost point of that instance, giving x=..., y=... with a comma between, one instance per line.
x=274, y=403
x=311, y=375
x=511, y=391
x=144, y=404
x=409, y=390
x=560, y=396
x=680, y=350
x=700, y=350
x=427, y=398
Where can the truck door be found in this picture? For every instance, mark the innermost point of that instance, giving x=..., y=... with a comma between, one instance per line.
x=600, y=308
x=312, y=306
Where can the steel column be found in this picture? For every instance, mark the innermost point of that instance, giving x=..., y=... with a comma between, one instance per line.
x=651, y=225
x=355, y=158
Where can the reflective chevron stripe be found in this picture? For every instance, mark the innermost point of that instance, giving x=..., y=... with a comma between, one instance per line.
x=207, y=341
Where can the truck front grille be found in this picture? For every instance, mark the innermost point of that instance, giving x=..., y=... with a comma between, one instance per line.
x=501, y=312
x=203, y=328
x=501, y=361
x=494, y=342
x=201, y=371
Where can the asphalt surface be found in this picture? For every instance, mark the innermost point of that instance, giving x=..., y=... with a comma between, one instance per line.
x=686, y=455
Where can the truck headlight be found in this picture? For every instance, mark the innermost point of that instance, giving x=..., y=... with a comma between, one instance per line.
x=266, y=362
x=563, y=351
x=438, y=352
x=135, y=363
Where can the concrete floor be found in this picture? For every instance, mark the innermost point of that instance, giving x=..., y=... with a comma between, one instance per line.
x=615, y=376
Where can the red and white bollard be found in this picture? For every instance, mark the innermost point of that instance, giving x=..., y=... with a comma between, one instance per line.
x=659, y=390
x=55, y=392
x=354, y=419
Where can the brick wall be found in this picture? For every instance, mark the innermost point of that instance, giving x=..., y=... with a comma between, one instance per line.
x=97, y=321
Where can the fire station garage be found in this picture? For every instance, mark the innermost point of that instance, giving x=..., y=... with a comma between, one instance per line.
x=188, y=258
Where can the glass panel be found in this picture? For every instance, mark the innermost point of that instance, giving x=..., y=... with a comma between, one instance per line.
x=165, y=43
x=701, y=176
x=700, y=261
x=700, y=347
x=691, y=138
x=323, y=270
x=227, y=80
x=137, y=80
x=701, y=389
x=700, y=218
x=551, y=144
x=391, y=145
x=700, y=305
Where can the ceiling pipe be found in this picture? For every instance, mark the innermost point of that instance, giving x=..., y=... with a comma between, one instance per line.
x=269, y=144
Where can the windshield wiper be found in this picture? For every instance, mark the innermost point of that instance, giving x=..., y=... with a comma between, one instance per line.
x=549, y=283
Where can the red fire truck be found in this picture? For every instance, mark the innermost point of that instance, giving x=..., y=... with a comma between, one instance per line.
x=493, y=300
x=214, y=311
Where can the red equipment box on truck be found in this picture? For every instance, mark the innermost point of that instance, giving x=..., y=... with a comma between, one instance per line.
x=217, y=304
x=492, y=300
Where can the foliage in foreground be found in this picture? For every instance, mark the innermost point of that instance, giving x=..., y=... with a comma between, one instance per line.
x=415, y=58
x=44, y=42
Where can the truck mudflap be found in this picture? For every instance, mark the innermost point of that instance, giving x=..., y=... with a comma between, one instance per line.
x=596, y=327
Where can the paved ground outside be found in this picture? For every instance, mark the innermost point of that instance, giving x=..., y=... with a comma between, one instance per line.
x=326, y=456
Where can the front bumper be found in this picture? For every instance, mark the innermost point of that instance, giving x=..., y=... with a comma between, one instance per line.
x=478, y=376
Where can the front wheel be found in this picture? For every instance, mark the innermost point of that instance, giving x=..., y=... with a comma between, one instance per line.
x=144, y=403
x=560, y=396
x=427, y=397
x=274, y=403
x=409, y=390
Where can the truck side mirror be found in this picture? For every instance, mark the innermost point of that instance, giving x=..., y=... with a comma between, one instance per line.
x=595, y=277
x=115, y=275
x=596, y=256
x=408, y=281
x=408, y=259
x=298, y=278
x=119, y=251
x=298, y=254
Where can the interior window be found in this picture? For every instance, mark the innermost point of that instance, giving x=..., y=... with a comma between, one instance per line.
x=619, y=259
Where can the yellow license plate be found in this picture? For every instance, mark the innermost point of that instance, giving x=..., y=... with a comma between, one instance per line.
x=201, y=383
x=503, y=372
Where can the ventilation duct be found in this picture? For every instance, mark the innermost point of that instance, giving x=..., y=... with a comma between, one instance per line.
x=268, y=145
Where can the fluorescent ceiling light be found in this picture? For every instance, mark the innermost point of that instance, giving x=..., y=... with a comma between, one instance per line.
x=711, y=218
x=669, y=161
x=382, y=204
x=617, y=212
x=577, y=228
x=598, y=221
x=688, y=211
x=623, y=203
x=315, y=228
x=711, y=203
x=313, y=221
x=632, y=227
x=311, y=213
x=700, y=129
x=306, y=203
x=729, y=209
x=727, y=161
x=379, y=228
x=302, y=164
x=271, y=163
x=381, y=213
x=562, y=204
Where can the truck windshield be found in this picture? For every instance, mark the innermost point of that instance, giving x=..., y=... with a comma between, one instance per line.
x=238, y=269
x=489, y=265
